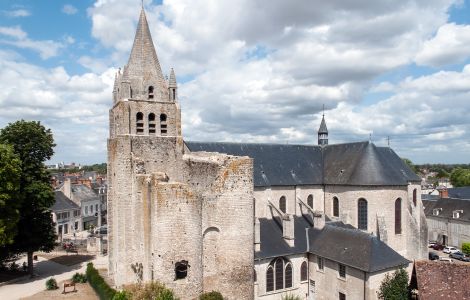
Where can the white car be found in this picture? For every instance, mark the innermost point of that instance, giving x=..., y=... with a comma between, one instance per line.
x=450, y=250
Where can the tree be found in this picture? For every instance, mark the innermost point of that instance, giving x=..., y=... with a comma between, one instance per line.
x=409, y=163
x=395, y=286
x=460, y=177
x=9, y=185
x=33, y=144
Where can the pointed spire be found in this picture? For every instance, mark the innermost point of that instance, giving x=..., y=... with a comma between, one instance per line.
x=323, y=131
x=172, y=80
x=143, y=68
x=323, y=128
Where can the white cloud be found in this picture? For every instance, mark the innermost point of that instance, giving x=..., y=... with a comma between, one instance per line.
x=19, y=38
x=17, y=13
x=69, y=9
x=450, y=45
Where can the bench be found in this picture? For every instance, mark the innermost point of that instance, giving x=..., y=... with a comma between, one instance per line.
x=69, y=284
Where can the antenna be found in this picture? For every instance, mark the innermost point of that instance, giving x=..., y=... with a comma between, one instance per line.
x=323, y=109
x=388, y=141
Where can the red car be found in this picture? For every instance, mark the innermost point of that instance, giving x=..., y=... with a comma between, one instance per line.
x=438, y=247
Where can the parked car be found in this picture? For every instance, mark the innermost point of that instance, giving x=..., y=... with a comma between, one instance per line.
x=437, y=246
x=447, y=259
x=101, y=230
x=460, y=256
x=431, y=244
x=433, y=256
x=450, y=249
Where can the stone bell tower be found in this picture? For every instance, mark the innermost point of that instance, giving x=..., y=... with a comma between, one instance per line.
x=182, y=218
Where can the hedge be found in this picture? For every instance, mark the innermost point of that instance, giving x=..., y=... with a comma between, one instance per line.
x=466, y=248
x=104, y=291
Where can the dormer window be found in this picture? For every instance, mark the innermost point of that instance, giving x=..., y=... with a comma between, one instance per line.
x=150, y=92
x=456, y=214
x=436, y=211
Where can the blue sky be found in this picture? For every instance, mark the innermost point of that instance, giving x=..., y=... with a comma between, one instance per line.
x=249, y=72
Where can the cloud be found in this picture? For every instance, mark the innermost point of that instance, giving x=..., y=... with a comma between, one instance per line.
x=69, y=9
x=450, y=45
x=19, y=38
x=17, y=13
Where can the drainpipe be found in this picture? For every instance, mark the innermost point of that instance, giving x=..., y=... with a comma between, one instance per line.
x=364, y=285
x=308, y=263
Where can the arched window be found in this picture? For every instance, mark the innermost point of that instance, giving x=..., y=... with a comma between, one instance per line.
x=282, y=204
x=310, y=201
x=335, y=207
x=163, y=126
x=139, y=123
x=279, y=270
x=398, y=216
x=152, y=123
x=255, y=278
x=303, y=271
x=150, y=92
x=415, y=196
x=362, y=214
x=288, y=276
x=270, y=279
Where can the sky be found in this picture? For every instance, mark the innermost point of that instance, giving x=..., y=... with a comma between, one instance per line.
x=249, y=70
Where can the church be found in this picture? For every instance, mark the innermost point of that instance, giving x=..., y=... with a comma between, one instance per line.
x=252, y=221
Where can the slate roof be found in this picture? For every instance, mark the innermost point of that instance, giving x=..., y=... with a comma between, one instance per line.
x=354, y=248
x=323, y=128
x=343, y=164
x=82, y=193
x=459, y=192
x=448, y=205
x=336, y=241
x=438, y=280
x=63, y=203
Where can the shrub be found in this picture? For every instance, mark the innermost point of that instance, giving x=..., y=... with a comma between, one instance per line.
x=466, y=248
x=51, y=284
x=104, y=291
x=395, y=286
x=79, y=278
x=291, y=297
x=211, y=296
x=150, y=290
x=121, y=295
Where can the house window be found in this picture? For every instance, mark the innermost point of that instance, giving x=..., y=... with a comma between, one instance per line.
x=255, y=277
x=398, y=216
x=96, y=207
x=163, y=125
x=76, y=225
x=282, y=204
x=335, y=207
x=66, y=228
x=341, y=296
x=139, y=123
x=288, y=277
x=435, y=211
x=152, y=124
x=342, y=270
x=86, y=210
x=91, y=208
x=303, y=271
x=320, y=263
x=362, y=214
x=150, y=94
x=415, y=196
x=310, y=201
x=270, y=279
x=456, y=214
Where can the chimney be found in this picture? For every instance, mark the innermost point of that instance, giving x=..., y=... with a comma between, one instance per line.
x=443, y=193
x=288, y=229
x=257, y=236
x=319, y=220
x=67, y=189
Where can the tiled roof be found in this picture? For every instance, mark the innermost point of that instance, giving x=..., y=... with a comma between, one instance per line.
x=440, y=280
x=346, y=164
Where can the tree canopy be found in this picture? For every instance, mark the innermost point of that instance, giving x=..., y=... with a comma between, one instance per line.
x=33, y=144
x=394, y=286
x=460, y=177
x=9, y=186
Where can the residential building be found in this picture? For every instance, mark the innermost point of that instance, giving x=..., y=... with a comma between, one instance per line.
x=66, y=215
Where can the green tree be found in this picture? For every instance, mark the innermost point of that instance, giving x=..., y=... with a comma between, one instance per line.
x=33, y=144
x=9, y=185
x=466, y=248
x=394, y=287
x=460, y=177
x=409, y=163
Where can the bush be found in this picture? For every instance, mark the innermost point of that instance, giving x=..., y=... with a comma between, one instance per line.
x=104, y=291
x=291, y=297
x=466, y=248
x=395, y=286
x=121, y=295
x=150, y=290
x=51, y=284
x=211, y=296
x=79, y=278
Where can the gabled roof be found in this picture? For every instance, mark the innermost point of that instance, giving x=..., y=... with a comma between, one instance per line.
x=459, y=192
x=447, y=207
x=342, y=164
x=354, y=248
x=63, y=203
x=440, y=280
x=82, y=193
